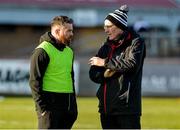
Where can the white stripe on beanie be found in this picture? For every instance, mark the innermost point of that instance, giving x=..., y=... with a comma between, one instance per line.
x=121, y=13
x=119, y=19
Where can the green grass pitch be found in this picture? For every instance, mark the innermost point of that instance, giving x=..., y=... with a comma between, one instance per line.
x=158, y=113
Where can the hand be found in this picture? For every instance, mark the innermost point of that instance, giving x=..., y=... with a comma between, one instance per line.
x=96, y=61
x=108, y=73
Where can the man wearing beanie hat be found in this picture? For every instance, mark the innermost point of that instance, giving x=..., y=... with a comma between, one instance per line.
x=117, y=67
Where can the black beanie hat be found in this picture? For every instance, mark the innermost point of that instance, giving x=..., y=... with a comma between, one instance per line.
x=119, y=17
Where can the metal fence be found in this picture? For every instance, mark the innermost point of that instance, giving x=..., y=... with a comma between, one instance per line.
x=162, y=44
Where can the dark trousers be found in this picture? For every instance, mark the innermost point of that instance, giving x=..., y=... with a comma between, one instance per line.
x=56, y=119
x=61, y=111
x=120, y=121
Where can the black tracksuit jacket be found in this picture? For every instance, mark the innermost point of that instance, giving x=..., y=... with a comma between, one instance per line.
x=121, y=93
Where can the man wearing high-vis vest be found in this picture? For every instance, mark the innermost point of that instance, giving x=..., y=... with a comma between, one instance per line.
x=52, y=77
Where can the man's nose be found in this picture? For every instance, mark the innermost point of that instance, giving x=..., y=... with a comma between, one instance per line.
x=105, y=30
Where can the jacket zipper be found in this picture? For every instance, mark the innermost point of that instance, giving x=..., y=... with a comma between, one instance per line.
x=113, y=47
x=105, y=85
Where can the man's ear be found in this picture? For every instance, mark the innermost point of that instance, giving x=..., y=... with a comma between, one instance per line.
x=57, y=30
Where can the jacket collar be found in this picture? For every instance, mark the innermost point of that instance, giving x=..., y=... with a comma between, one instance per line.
x=60, y=46
x=122, y=40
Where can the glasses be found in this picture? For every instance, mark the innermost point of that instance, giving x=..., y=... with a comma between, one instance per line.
x=108, y=26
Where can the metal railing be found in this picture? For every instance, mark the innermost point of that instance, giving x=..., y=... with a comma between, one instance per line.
x=162, y=44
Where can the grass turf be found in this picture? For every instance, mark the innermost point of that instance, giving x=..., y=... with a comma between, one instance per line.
x=158, y=113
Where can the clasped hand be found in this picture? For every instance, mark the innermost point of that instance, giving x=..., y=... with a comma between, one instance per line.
x=96, y=61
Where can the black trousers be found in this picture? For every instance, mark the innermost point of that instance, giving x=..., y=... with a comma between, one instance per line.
x=61, y=111
x=120, y=121
x=56, y=119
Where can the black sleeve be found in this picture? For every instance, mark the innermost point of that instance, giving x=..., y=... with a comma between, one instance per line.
x=72, y=76
x=131, y=62
x=96, y=73
x=38, y=65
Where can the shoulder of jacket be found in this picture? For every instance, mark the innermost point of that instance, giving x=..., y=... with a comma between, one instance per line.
x=40, y=51
x=137, y=40
x=43, y=44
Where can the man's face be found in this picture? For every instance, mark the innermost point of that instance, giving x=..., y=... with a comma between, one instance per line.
x=65, y=34
x=111, y=30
